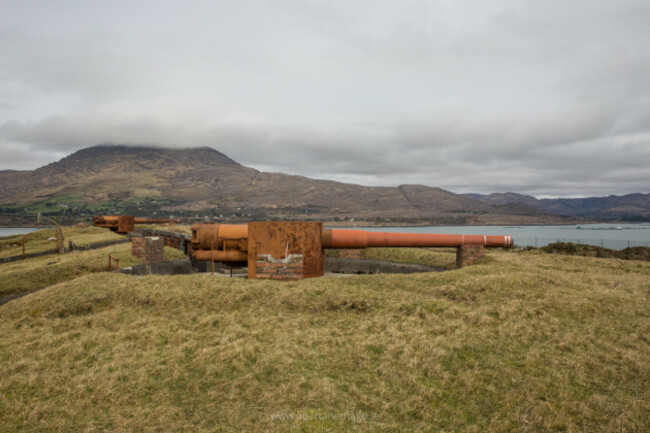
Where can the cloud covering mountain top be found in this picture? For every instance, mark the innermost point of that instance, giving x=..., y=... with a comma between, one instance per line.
x=537, y=97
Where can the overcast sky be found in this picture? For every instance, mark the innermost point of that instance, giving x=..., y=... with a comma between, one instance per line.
x=549, y=98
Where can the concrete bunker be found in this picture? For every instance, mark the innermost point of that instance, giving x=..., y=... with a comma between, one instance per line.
x=288, y=250
x=294, y=249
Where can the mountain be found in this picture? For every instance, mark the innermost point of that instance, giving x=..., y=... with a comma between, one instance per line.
x=202, y=183
x=625, y=208
x=505, y=198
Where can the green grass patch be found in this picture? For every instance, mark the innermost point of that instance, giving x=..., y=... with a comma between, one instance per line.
x=522, y=342
x=436, y=257
x=51, y=206
x=38, y=241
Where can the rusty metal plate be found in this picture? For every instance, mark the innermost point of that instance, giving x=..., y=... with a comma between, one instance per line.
x=283, y=238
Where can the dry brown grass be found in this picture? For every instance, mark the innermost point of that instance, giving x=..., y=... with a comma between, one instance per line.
x=522, y=342
x=39, y=272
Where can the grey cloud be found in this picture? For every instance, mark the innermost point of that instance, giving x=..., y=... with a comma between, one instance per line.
x=539, y=97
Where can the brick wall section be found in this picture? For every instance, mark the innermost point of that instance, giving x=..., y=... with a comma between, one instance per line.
x=290, y=268
x=467, y=254
x=148, y=248
x=349, y=254
x=138, y=246
x=180, y=241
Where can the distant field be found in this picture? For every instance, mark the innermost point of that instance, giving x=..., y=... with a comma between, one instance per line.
x=523, y=341
x=176, y=228
x=38, y=241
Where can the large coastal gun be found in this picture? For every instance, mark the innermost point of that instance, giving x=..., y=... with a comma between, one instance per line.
x=126, y=223
x=294, y=249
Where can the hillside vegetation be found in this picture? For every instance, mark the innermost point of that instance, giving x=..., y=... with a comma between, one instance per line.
x=569, y=248
x=196, y=184
x=520, y=342
x=627, y=208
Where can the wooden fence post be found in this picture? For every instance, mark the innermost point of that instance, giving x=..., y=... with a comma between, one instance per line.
x=212, y=250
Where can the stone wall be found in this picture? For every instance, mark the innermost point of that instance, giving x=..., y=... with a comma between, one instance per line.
x=172, y=239
x=148, y=248
x=172, y=267
x=290, y=268
x=467, y=254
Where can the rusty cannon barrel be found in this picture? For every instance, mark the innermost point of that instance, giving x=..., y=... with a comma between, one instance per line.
x=230, y=242
x=220, y=242
x=294, y=249
x=341, y=238
x=106, y=220
x=126, y=223
x=116, y=223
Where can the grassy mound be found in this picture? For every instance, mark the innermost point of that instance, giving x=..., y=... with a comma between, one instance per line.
x=39, y=272
x=569, y=248
x=523, y=342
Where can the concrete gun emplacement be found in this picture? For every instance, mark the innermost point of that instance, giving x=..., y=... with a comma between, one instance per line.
x=126, y=223
x=294, y=249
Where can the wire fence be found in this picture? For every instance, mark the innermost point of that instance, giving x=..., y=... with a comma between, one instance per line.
x=612, y=244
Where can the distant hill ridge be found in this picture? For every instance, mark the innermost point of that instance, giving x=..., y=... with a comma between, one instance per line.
x=202, y=183
x=146, y=157
x=630, y=207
